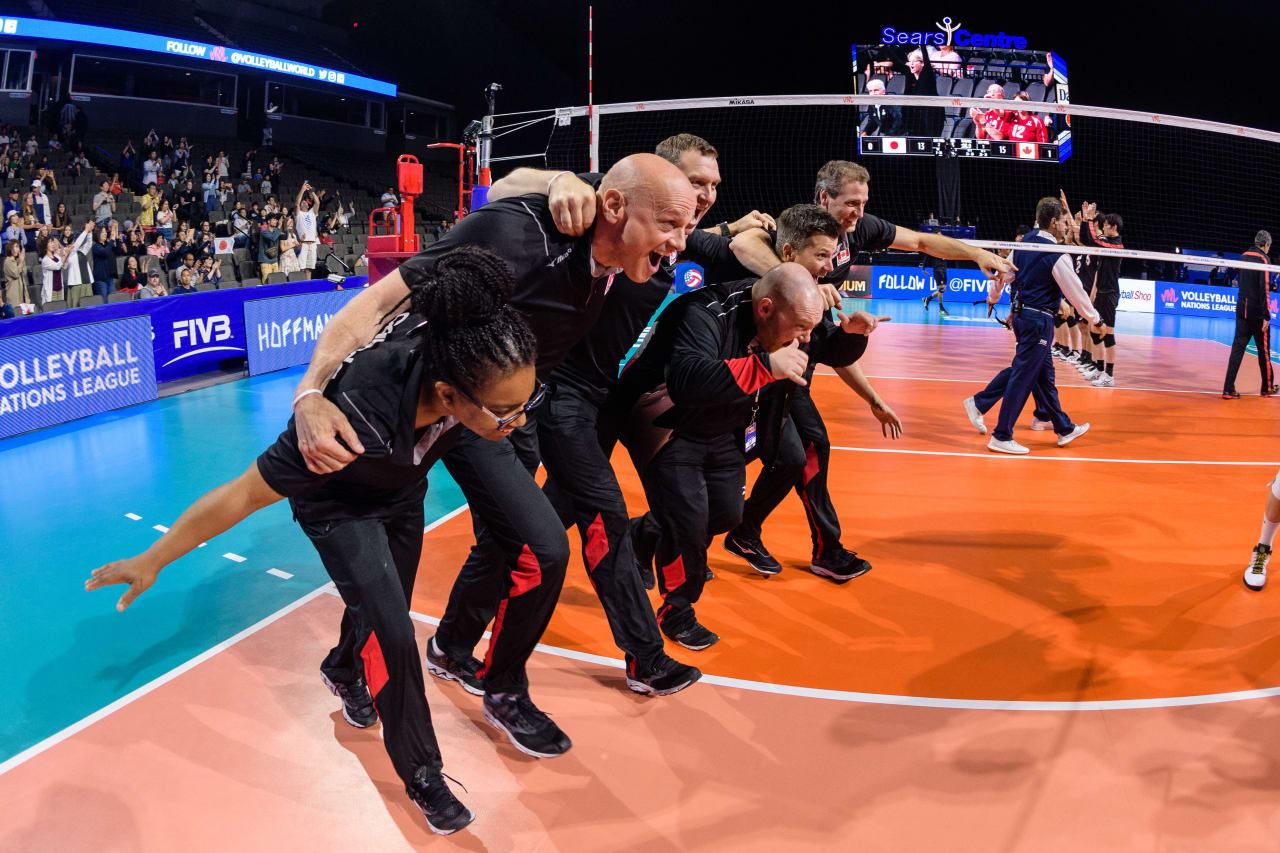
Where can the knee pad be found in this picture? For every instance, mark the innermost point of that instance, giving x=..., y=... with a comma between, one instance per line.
x=1109, y=339
x=1072, y=320
x=1058, y=320
x=1097, y=338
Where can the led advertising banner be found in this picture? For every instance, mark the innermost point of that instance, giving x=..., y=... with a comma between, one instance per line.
x=282, y=332
x=39, y=28
x=47, y=378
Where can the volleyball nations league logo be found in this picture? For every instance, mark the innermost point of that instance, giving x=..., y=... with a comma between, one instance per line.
x=1169, y=297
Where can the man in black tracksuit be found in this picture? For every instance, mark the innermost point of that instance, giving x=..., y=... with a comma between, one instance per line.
x=1253, y=316
x=518, y=562
x=697, y=384
x=1107, y=295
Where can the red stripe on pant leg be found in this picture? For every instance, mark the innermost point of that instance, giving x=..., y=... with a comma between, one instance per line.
x=597, y=544
x=810, y=463
x=375, y=667
x=673, y=573
x=527, y=574
x=493, y=638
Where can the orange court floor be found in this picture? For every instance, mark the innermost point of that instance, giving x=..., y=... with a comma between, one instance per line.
x=1051, y=653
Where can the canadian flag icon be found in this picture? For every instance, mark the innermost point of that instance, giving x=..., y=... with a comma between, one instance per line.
x=1027, y=151
x=895, y=145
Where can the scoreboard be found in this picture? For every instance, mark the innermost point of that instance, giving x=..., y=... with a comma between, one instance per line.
x=926, y=146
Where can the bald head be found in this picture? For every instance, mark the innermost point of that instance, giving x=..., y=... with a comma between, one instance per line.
x=644, y=205
x=787, y=305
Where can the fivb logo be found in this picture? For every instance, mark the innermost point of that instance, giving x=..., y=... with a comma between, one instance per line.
x=201, y=330
x=1169, y=297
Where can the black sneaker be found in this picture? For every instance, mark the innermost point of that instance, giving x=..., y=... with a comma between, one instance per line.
x=529, y=729
x=694, y=638
x=944, y=311
x=1231, y=395
x=840, y=566
x=429, y=792
x=357, y=704
x=662, y=676
x=462, y=671
x=751, y=549
x=643, y=558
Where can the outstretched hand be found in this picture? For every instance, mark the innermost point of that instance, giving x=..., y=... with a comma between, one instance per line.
x=789, y=362
x=861, y=322
x=132, y=571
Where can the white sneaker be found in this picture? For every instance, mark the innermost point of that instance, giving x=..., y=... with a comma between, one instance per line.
x=1064, y=440
x=1009, y=446
x=975, y=417
x=1090, y=373
x=1106, y=380
x=1039, y=425
x=1057, y=353
x=1072, y=358
x=1255, y=576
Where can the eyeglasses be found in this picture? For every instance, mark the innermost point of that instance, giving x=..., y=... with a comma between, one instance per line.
x=502, y=423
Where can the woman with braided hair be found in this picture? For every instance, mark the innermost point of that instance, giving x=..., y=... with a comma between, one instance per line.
x=459, y=356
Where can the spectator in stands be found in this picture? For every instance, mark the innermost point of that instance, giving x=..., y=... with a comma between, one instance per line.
x=104, y=260
x=116, y=187
x=127, y=156
x=256, y=215
x=185, y=282
x=164, y=219
x=136, y=245
x=945, y=60
x=222, y=165
x=306, y=227
x=239, y=226
x=225, y=193
x=289, y=247
x=13, y=232
x=210, y=272
x=104, y=204
x=115, y=239
x=243, y=187
x=275, y=168
x=47, y=179
x=29, y=223
x=32, y=147
x=272, y=205
x=77, y=271
x=15, y=274
x=442, y=229
x=154, y=286
x=989, y=124
x=389, y=198
x=131, y=279
x=878, y=119
x=178, y=250
x=344, y=213
x=266, y=136
x=210, y=187
x=921, y=79
x=190, y=204
x=4, y=134
x=151, y=169
x=13, y=204
x=205, y=247
x=269, y=247
x=266, y=186
x=51, y=266
x=159, y=247
x=40, y=201
x=150, y=204
x=60, y=217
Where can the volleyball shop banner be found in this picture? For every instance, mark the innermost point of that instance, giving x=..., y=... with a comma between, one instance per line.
x=51, y=377
x=1193, y=300
x=282, y=332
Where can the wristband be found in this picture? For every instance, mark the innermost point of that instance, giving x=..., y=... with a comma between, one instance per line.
x=302, y=394
x=724, y=229
x=553, y=179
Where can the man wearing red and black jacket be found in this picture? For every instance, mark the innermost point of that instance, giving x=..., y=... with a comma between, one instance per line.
x=697, y=384
x=1253, y=316
x=1107, y=297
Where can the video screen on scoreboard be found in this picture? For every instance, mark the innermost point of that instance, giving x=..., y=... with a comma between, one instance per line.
x=1006, y=77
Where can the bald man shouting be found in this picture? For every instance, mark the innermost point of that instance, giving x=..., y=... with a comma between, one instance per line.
x=696, y=385
x=644, y=205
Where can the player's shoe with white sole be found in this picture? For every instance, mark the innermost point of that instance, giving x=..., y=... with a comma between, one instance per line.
x=1039, y=425
x=1106, y=380
x=357, y=704
x=1064, y=440
x=443, y=811
x=975, y=417
x=1009, y=446
x=1255, y=576
x=448, y=669
x=528, y=728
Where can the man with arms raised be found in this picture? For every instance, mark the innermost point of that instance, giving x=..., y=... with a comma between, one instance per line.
x=644, y=207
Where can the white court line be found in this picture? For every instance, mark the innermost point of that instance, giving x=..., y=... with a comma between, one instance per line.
x=235, y=558
x=280, y=574
x=1060, y=387
x=442, y=519
x=54, y=739
x=160, y=527
x=915, y=701
x=132, y=516
x=1034, y=458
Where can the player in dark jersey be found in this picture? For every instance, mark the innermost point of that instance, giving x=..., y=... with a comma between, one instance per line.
x=577, y=432
x=939, y=286
x=1107, y=296
x=460, y=357
x=842, y=188
x=644, y=207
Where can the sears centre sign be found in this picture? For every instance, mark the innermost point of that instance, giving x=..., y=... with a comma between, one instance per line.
x=39, y=28
x=952, y=33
